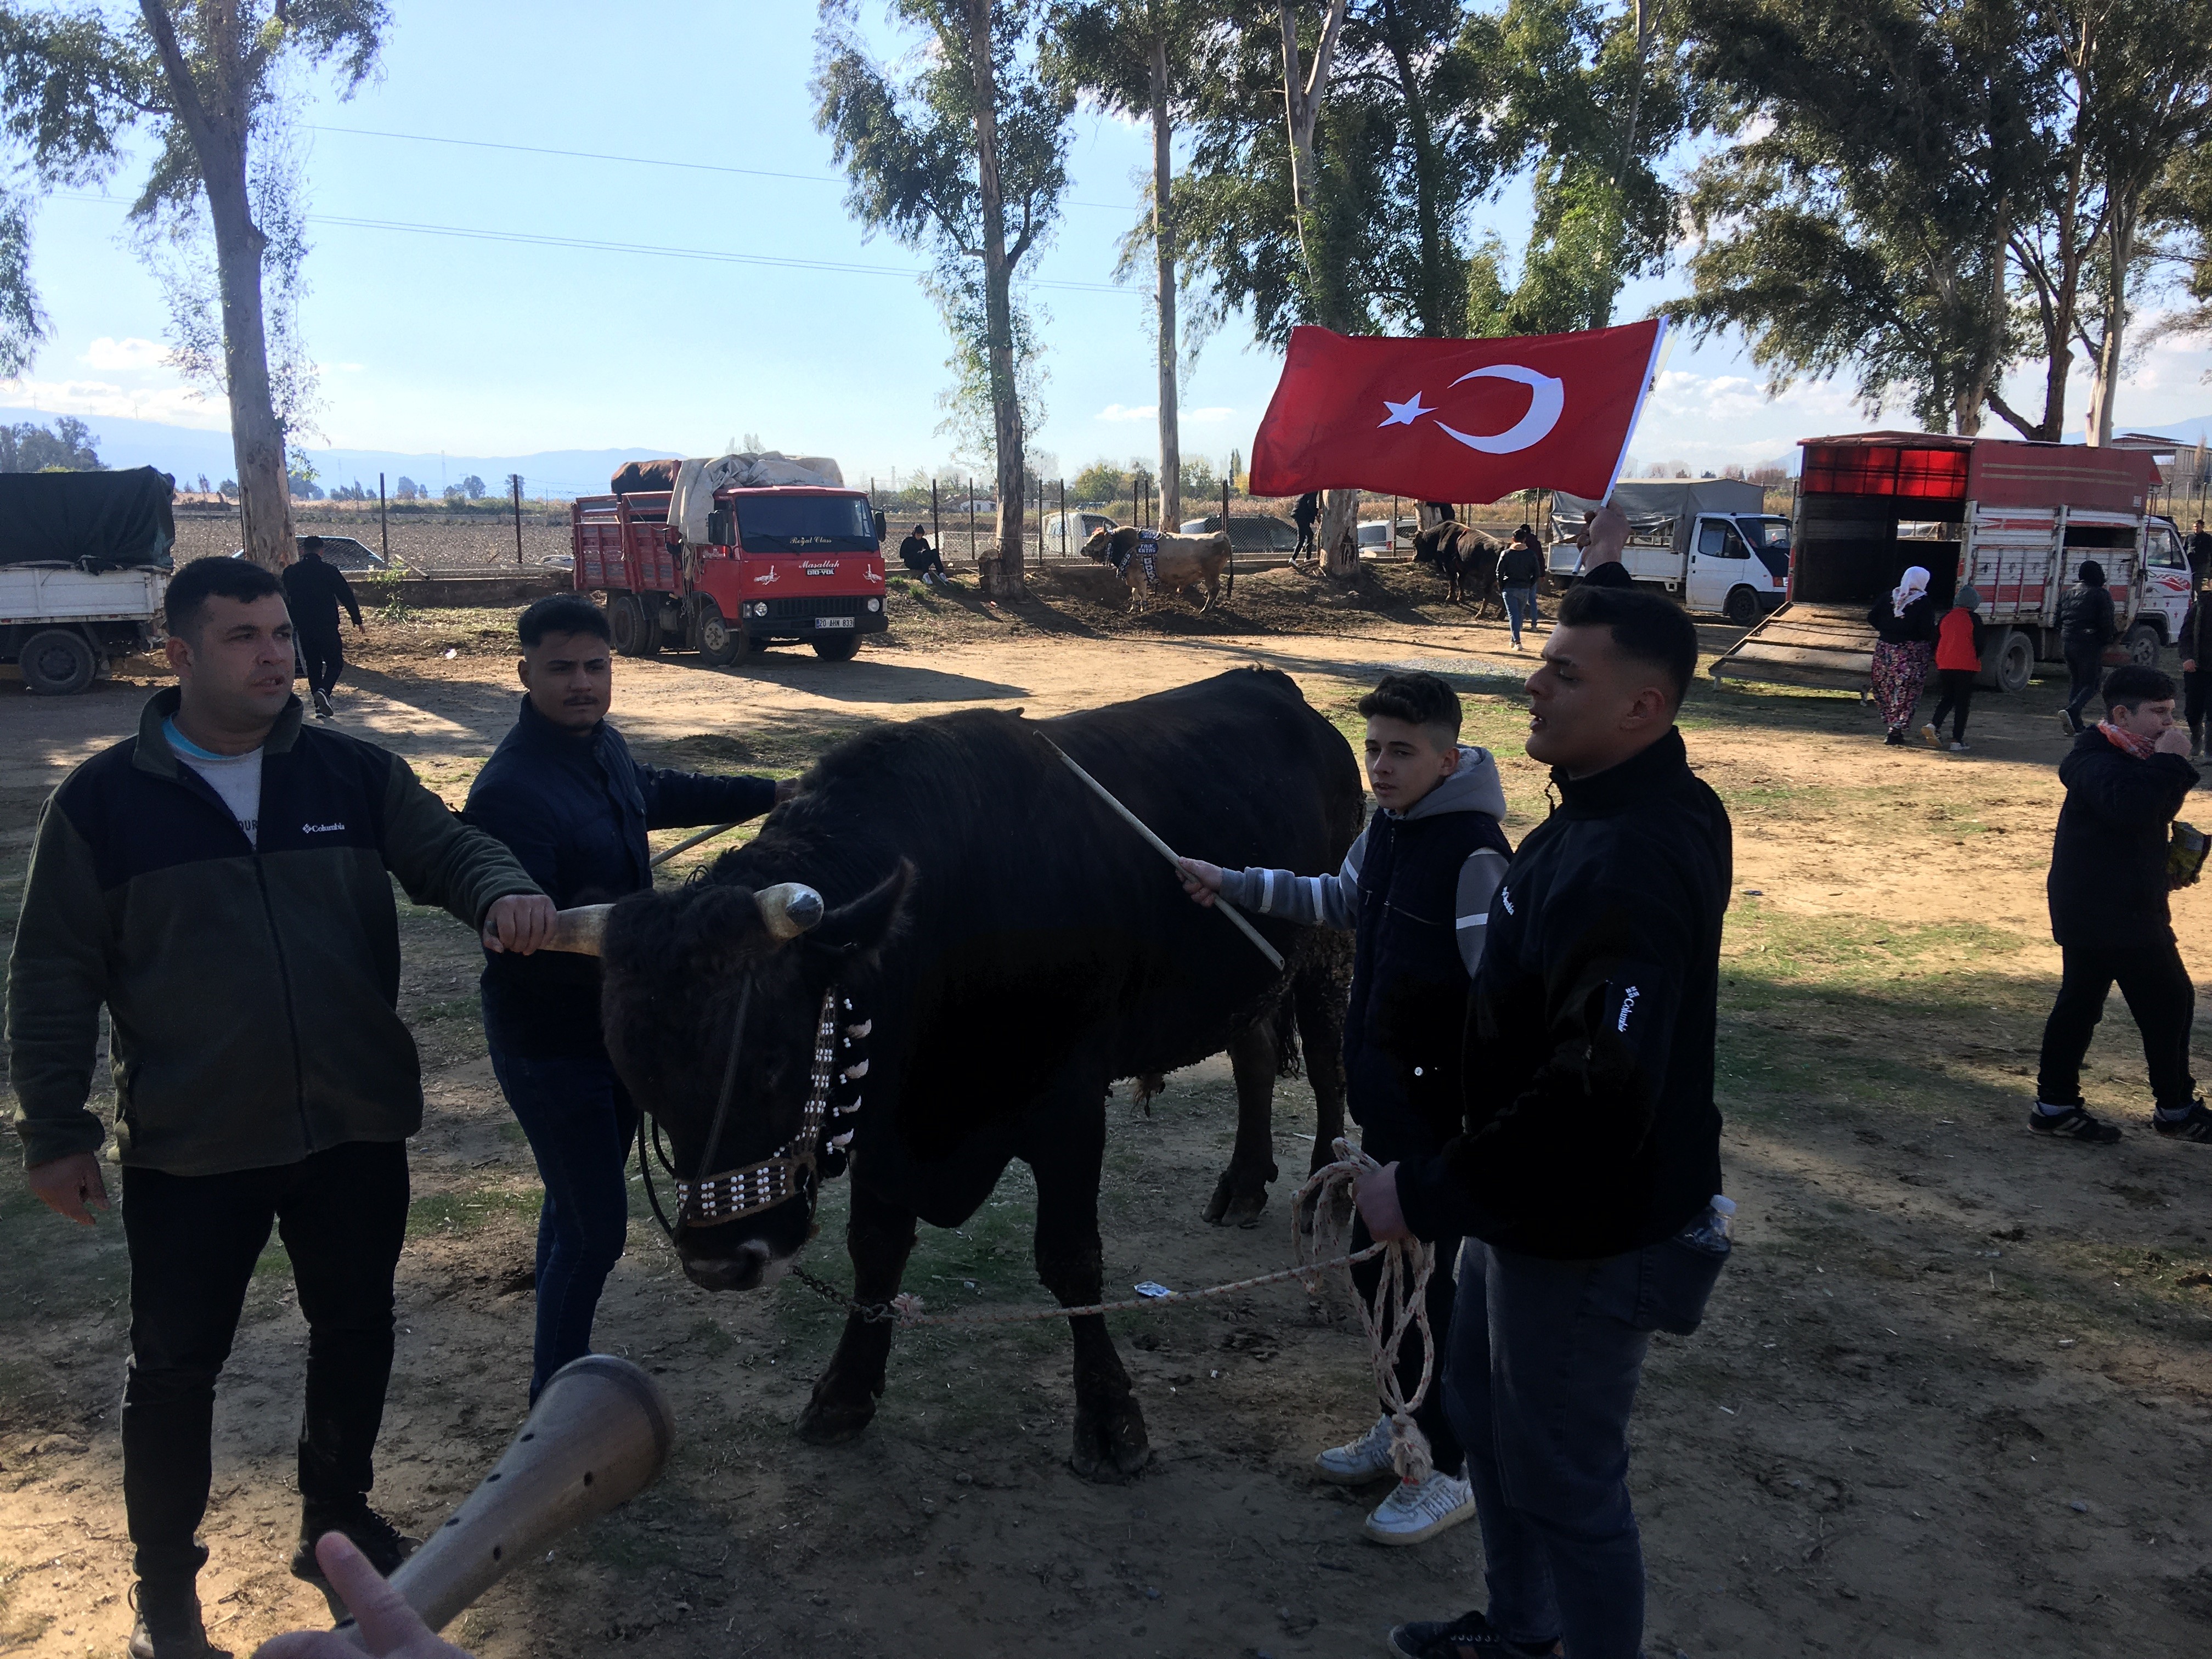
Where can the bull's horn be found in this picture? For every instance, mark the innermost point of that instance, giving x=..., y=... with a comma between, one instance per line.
x=580, y=930
x=789, y=908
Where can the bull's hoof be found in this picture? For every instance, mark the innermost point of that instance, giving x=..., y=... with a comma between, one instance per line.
x=1240, y=1196
x=831, y=1421
x=1110, y=1444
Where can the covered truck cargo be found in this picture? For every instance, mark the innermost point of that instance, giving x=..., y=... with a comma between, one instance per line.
x=94, y=521
x=1659, y=507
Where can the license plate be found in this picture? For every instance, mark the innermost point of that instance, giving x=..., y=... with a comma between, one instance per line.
x=833, y=622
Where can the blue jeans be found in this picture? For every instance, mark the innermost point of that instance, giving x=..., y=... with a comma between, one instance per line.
x=580, y=1123
x=1544, y=1362
x=1520, y=609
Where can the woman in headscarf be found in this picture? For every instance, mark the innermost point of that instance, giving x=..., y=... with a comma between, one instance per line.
x=1905, y=649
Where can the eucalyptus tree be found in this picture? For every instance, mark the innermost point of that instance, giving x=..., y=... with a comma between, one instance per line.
x=207, y=81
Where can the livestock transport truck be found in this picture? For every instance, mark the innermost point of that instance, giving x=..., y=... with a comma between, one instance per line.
x=784, y=564
x=2016, y=520
x=1709, y=542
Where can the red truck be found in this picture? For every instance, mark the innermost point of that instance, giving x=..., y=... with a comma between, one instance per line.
x=779, y=566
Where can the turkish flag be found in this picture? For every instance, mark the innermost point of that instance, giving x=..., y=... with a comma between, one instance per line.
x=1455, y=420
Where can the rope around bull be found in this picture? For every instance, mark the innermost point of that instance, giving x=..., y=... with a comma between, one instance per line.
x=1320, y=1219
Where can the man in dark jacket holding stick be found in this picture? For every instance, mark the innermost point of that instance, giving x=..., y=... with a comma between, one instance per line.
x=1587, y=1175
x=221, y=885
x=2125, y=778
x=562, y=792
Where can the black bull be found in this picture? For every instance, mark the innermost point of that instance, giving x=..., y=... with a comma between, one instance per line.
x=1018, y=948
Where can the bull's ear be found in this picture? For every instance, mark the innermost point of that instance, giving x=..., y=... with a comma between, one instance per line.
x=864, y=927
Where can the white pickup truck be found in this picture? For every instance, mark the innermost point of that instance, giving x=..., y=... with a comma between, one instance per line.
x=1709, y=543
x=84, y=563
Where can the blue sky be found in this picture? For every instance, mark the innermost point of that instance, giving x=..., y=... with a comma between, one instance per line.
x=476, y=347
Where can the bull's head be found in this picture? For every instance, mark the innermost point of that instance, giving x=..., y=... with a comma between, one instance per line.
x=711, y=995
x=1096, y=548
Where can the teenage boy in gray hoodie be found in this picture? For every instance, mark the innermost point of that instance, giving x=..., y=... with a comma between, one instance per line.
x=1416, y=889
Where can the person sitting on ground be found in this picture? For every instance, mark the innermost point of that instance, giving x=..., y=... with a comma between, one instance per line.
x=916, y=553
x=1959, y=639
x=2196, y=673
x=1904, y=651
x=2125, y=778
x=2087, y=624
x=1587, y=1175
x=1602, y=540
x=1416, y=887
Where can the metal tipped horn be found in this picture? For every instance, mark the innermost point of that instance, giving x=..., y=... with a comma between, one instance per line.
x=789, y=908
x=580, y=930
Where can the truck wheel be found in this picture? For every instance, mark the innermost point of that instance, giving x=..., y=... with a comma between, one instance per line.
x=56, y=663
x=2144, y=646
x=1742, y=607
x=837, y=648
x=636, y=634
x=2013, y=662
x=720, y=643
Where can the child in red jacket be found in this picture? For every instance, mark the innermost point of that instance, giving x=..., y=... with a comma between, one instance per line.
x=1958, y=665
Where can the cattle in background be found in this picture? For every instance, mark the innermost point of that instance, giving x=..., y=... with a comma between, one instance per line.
x=1015, y=949
x=1178, y=562
x=633, y=477
x=1466, y=558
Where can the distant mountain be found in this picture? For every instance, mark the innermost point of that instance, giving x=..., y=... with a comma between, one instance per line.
x=189, y=452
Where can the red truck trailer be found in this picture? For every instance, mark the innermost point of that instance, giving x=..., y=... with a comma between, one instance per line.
x=2014, y=520
x=779, y=566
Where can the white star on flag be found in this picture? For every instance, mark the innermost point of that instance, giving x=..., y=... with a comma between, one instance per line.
x=1404, y=414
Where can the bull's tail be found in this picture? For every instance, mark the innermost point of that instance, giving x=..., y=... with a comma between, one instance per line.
x=1321, y=990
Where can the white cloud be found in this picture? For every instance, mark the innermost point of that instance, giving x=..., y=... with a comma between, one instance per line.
x=1208, y=416
x=122, y=356
x=174, y=405
x=1116, y=412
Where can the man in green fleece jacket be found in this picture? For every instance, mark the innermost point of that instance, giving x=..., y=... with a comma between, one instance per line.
x=222, y=884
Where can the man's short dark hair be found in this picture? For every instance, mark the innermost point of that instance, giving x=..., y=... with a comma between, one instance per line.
x=1645, y=627
x=311, y=545
x=2132, y=687
x=561, y=613
x=209, y=578
x=1417, y=699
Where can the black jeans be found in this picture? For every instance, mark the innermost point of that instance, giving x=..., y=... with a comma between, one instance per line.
x=1958, y=696
x=322, y=654
x=193, y=1240
x=2195, y=691
x=2085, y=667
x=2159, y=995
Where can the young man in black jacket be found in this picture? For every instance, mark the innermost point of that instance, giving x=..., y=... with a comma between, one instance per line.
x=2087, y=624
x=562, y=792
x=1586, y=1176
x=315, y=589
x=2125, y=778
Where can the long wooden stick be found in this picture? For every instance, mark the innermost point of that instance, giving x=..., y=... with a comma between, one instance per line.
x=688, y=842
x=1244, y=926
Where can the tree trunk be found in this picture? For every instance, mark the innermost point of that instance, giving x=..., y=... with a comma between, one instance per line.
x=218, y=134
x=2121, y=227
x=1302, y=96
x=1001, y=564
x=1443, y=271
x=1164, y=250
x=1340, y=542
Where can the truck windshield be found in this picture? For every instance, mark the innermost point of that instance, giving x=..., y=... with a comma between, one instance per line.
x=805, y=524
x=1768, y=532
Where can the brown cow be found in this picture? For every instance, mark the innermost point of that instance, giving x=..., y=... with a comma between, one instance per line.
x=1178, y=562
x=639, y=476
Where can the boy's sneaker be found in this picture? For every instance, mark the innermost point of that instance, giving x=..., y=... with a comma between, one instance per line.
x=1930, y=736
x=2071, y=1123
x=1961, y=749
x=323, y=709
x=1356, y=1462
x=168, y=1624
x=2067, y=724
x=1416, y=1511
x=2194, y=1124
x=1452, y=1638
x=383, y=1544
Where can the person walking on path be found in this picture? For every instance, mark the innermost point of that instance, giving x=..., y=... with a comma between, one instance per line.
x=221, y=884
x=2125, y=778
x=1519, y=566
x=1415, y=889
x=562, y=792
x=315, y=589
x=1959, y=639
x=2087, y=624
x=2196, y=673
x=1905, y=629
x=2200, y=552
x=1304, y=515
x=1587, y=1174
x=918, y=556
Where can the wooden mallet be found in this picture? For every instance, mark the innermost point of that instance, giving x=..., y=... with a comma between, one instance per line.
x=599, y=1435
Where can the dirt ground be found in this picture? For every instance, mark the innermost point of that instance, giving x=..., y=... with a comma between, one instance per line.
x=1932, y=1411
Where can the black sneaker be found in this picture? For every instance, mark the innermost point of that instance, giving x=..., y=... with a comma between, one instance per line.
x=383, y=1544
x=2075, y=1123
x=2194, y=1124
x=1450, y=1638
x=168, y=1624
x=323, y=709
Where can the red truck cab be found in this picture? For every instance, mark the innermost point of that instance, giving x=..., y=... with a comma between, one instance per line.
x=780, y=566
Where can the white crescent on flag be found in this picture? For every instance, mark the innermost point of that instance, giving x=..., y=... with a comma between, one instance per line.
x=1548, y=397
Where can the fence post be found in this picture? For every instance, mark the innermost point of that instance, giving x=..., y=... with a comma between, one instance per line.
x=384, y=522
x=1232, y=540
x=1063, y=517
x=936, y=530
x=971, y=523
x=516, y=480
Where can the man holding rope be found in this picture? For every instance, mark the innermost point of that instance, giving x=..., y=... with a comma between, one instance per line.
x=1585, y=1180
x=1416, y=888
x=562, y=792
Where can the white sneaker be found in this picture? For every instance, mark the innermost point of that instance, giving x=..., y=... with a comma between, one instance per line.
x=1356, y=1462
x=1413, y=1512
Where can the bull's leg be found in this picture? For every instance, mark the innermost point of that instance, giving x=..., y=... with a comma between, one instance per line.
x=880, y=1237
x=1242, y=1192
x=1110, y=1444
x=1212, y=591
x=1321, y=991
